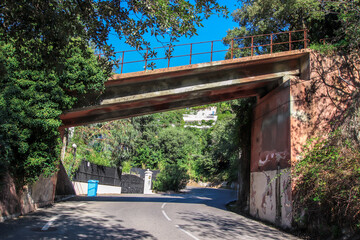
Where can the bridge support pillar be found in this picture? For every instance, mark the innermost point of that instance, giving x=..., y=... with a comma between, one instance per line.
x=270, y=189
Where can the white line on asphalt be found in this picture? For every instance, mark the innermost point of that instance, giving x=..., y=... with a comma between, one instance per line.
x=166, y=216
x=187, y=232
x=81, y=204
x=162, y=206
x=49, y=223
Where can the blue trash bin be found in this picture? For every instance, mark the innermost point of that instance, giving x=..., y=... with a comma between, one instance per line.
x=92, y=188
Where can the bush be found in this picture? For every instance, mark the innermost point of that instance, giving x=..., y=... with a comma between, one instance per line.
x=328, y=183
x=171, y=177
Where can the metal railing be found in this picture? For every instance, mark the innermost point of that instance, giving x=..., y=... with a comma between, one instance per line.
x=239, y=47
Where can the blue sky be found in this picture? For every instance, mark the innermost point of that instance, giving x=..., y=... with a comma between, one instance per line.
x=214, y=28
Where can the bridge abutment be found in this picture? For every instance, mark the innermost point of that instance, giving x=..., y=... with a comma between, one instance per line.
x=302, y=108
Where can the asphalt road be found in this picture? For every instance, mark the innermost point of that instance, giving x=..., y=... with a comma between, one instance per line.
x=197, y=214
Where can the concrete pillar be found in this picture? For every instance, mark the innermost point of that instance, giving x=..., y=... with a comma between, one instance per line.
x=270, y=188
x=147, y=182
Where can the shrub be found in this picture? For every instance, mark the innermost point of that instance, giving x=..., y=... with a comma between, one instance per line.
x=171, y=177
x=327, y=183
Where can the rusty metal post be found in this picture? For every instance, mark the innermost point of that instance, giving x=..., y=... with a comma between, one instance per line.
x=212, y=47
x=271, y=43
x=289, y=41
x=252, y=45
x=305, y=38
x=232, y=48
x=169, y=56
x=122, y=62
x=190, y=52
x=146, y=56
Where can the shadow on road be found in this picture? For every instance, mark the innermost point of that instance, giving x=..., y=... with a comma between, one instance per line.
x=73, y=226
x=211, y=226
x=217, y=198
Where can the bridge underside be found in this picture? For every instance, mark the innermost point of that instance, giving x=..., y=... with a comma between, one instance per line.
x=140, y=93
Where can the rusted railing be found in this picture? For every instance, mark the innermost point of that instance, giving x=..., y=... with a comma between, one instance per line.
x=239, y=47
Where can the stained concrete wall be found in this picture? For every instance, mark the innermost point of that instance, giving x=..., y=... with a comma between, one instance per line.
x=302, y=108
x=14, y=203
x=270, y=190
x=64, y=187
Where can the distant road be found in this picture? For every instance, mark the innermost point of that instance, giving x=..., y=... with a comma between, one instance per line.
x=197, y=214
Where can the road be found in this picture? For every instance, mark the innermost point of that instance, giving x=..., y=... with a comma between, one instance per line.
x=198, y=213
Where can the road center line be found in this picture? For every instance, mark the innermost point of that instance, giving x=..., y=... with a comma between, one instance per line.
x=187, y=232
x=166, y=216
x=162, y=206
x=49, y=223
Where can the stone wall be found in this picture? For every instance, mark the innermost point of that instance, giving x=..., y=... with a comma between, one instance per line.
x=132, y=184
x=14, y=203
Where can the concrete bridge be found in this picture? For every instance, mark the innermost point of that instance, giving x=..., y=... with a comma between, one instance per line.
x=266, y=77
x=150, y=91
x=293, y=104
x=139, y=93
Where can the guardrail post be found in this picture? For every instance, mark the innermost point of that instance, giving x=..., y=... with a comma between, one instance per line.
x=169, y=56
x=252, y=45
x=232, y=48
x=271, y=43
x=305, y=38
x=212, y=47
x=146, y=56
x=122, y=61
x=190, y=52
x=289, y=41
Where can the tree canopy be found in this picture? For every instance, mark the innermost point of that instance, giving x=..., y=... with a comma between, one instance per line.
x=57, y=22
x=47, y=64
x=334, y=21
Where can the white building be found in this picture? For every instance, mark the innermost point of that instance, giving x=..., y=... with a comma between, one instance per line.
x=208, y=114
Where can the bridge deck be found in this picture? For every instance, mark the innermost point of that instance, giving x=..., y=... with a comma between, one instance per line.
x=140, y=93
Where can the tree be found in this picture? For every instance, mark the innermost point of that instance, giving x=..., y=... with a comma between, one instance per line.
x=47, y=66
x=171, y=177
x=56, y=22
x=178, y=145
x=323, y=19
x=31, y=99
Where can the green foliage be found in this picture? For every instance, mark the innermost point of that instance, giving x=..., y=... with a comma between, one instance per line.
x=46, y=67
x=146, y=157
x=328, y=181
x=171, y=177
x=32, y=96
x=335, y=21
x=55, y=23
x=126, y=166
x=156, y=140
x=178, y=145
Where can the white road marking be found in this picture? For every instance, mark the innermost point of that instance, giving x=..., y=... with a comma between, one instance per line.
x=49, y=223
x=187, y=232
x=162, y=206
x=166, y=216
x=81, y=204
